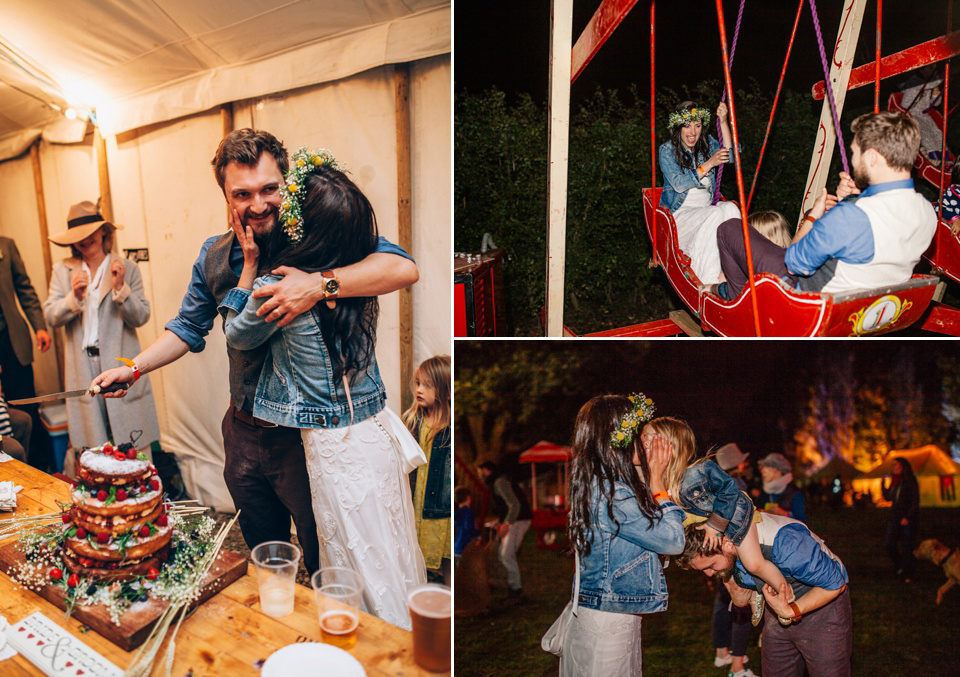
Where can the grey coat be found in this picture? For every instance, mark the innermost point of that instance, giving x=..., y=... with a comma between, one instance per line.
x=118, y=319
x=15, y=283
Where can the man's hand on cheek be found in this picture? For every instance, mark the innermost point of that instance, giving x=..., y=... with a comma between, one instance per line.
x=289, y=298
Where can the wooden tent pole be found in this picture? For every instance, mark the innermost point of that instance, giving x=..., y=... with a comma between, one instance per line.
x=226, y=126
x=45, y=247
x=558, y=134
x=106, y=198
x=844, y=51
x=401, y=81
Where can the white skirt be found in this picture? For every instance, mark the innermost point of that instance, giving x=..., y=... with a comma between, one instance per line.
x=697, y=222
x=602, y=644
x=364, y=510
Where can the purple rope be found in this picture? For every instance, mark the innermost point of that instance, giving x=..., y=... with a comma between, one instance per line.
x=733, y=50
x=829, y=87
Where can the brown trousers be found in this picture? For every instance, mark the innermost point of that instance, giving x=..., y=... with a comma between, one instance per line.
x=266, y=474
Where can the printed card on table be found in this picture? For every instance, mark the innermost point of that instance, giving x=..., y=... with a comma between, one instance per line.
x=56, y=652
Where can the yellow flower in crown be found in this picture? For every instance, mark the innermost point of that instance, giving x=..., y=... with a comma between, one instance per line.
x=317, y=160
x=640, y=412
x=285, y=205
x=301, y=163
x=293, y=188
x=292, y=221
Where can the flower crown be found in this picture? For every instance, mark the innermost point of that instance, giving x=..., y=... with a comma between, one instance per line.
x=304, y=162
x=641, y=412
x=685, y=117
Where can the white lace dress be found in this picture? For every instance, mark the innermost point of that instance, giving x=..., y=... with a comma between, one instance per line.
x=364, y=511
x=602, y=644
x=697, y=222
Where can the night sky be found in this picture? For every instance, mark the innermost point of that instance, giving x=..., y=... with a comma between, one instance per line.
x=728, y=391
x=506, y=43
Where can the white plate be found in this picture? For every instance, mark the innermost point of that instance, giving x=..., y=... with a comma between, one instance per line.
x=311, y=658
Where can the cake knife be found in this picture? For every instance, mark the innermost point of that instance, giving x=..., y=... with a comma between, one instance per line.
x=95, y=390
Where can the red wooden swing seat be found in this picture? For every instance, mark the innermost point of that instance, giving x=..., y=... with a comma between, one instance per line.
x=783, y=311
x=926, y=169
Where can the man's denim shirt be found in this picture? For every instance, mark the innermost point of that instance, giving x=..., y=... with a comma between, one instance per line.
x=198, y=309
x=709, y=492
x=622, y=573
x=677, y=181
x=297, y=388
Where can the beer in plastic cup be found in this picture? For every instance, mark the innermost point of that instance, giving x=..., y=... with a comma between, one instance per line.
x=276, y=563
x=430, y=613
x=339, y=593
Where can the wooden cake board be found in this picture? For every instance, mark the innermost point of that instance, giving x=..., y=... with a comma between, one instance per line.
x=138, y=620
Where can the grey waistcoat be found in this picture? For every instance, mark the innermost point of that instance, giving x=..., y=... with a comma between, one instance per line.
x=245, y=365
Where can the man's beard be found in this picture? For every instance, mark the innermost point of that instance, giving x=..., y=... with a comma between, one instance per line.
x=860, y=177
x=727, y=573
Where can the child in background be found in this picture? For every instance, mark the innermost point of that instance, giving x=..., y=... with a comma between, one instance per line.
x=951, y=200
x=704, y=490
x=428, y=418
x=773, y=226
x=464, y=523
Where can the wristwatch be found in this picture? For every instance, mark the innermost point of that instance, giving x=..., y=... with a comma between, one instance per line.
x=331, y=288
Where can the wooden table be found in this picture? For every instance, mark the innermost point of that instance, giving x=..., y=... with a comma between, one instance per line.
x=225, y=636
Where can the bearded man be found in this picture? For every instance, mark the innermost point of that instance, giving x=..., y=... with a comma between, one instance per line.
x=809, y=625
x=873, y=238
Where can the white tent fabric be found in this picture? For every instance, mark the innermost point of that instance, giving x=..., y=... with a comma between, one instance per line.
x=139, y=62
x=164, y=192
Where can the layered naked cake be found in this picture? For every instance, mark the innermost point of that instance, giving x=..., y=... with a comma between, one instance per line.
x=119, y=528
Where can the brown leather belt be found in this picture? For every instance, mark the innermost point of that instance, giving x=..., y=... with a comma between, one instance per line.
x=243, y=416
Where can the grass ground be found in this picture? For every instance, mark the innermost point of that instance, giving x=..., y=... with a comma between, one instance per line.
x=898, y=630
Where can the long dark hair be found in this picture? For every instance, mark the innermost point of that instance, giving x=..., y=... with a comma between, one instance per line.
x=595, y=460
x=701, y=150
x=339, y=228
x=907, y=475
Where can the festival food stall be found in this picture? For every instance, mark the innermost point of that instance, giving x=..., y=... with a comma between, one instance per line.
x=222, y=629
x=550, y=509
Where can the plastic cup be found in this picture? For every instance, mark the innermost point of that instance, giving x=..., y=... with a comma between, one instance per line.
x=276, y=563
x=430, y=607
x=339, y=593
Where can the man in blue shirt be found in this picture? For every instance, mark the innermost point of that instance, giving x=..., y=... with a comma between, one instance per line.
x=265, y=469
x=808, y=623
x=874, y=240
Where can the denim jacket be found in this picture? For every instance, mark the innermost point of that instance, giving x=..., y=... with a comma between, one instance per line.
x=677, y=181
x=709, y=492
x=297, y=388
x=622, y=573
x=436, y=500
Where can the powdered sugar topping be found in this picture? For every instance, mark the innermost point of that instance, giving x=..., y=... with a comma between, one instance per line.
x=96, y=461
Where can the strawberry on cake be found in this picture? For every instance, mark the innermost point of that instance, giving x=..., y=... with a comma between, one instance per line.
x=121, y=526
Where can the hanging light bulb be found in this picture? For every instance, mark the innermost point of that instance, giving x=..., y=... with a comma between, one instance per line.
x=71, y=114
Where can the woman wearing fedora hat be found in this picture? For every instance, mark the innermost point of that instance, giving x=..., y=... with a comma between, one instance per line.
x=98, y=299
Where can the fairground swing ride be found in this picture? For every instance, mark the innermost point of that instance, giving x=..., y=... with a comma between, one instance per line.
x=767, y=306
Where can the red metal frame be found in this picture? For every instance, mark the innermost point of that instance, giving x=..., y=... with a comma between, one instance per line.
x=909, y=59
x=653, y=107
x=602, y=24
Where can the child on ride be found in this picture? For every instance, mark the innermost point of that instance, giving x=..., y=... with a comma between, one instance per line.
x=774, y=227
x=703, y=490
x=951, y=200
x=689, y=160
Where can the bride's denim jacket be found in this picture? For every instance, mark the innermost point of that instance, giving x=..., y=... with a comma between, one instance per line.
x=678, y=181
x=709, y=492
x=622, y=573
x=297, y=387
